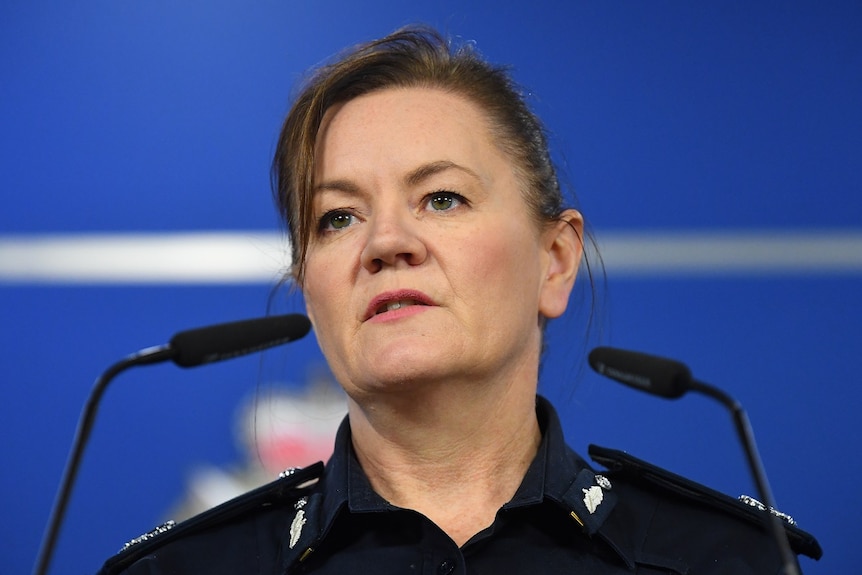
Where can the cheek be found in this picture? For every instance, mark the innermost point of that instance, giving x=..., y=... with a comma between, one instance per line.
x=317, y=291
x=321, y=306
x=510, y=266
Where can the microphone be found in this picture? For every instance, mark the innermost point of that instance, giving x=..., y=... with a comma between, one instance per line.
x=672, y=379
x=656, y=375
x=228, y=340
x=187, y=349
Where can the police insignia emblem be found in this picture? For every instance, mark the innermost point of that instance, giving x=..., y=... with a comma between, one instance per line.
x=603, y=482
x=593, y=498
x=296, y=527
x=298, y=522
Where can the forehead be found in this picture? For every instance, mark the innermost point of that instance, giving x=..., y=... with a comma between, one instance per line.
x=399, y=128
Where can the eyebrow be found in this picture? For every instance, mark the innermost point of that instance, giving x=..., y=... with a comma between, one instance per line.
x=338, y=186
x=413, y=178
x=426, y=171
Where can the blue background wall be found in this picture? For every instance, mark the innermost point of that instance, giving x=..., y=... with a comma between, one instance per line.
x=670, y=117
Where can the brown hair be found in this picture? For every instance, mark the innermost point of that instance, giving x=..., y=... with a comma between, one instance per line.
x=410, y=57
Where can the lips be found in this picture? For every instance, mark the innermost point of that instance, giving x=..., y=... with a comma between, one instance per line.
x=393, y=305
x=396, y=300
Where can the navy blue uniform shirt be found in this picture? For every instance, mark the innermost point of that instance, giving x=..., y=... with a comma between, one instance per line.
x=564, y=518
x=533, y=533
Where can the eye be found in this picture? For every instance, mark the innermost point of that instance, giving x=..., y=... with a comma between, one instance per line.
x=444, y=201
x=335, y=220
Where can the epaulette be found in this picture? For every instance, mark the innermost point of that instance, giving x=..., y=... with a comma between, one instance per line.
x=746, y=508
x=291, y=485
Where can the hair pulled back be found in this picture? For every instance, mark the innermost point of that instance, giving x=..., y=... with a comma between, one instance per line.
x=411, y=57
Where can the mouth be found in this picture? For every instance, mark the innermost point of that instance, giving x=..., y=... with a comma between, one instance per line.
x=396, y=300
x=393, y=305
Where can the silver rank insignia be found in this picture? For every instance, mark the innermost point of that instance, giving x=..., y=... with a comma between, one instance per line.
x=751, y=501
x=594, y=495
x=288, y=472
x=593, y=498
x=603, y=482
x=298, y=522
x=164, y=527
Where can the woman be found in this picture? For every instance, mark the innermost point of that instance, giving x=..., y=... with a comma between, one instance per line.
x=431, y=244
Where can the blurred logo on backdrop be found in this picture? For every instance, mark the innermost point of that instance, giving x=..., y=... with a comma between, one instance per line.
x=276, y=428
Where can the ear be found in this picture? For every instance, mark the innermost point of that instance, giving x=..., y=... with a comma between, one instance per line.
x=564, y=247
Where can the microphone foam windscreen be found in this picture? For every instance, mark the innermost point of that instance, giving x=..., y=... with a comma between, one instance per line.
x=223, y=341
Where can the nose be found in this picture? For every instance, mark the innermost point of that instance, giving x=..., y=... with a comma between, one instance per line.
x=393, y=240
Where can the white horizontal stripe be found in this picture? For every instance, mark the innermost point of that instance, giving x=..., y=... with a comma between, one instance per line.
x=172, y=258
x=748, y=253
x=262, y=257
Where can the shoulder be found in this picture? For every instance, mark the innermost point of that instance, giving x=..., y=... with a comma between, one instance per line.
x=669, y=515
x=238, y=524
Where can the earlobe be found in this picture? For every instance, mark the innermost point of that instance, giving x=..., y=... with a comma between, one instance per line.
x=564, y=245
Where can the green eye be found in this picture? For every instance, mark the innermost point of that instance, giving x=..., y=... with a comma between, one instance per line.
x=440, y=202
x=336, y=220
x=339, y=221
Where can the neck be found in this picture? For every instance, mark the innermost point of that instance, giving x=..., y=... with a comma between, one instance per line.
x=455, y=455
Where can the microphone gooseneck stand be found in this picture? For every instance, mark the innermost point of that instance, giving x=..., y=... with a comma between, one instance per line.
x=671, y=379
x=746, y=436
x=188, y=348
x=82, y=434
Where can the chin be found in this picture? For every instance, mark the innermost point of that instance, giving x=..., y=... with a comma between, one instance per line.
x=403, y=375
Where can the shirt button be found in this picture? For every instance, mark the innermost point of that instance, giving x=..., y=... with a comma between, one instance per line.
x=446, y=567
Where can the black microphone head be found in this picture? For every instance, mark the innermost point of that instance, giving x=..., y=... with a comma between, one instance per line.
x=224, y=341
x=656, y=375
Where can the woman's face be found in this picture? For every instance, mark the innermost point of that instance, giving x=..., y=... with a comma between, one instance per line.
x=426, y=265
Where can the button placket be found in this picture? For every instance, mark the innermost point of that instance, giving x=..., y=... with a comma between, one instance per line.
x=446, y=567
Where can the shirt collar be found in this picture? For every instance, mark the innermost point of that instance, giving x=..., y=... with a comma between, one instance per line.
x=557, y=474
x=569, y=480
x=553, y=468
